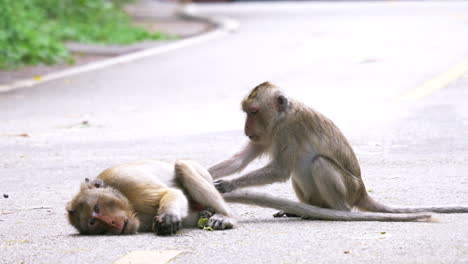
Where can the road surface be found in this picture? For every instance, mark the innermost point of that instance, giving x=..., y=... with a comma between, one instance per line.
x=390, y=74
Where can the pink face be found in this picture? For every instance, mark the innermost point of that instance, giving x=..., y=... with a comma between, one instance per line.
x=111, y=223
x=250, y=128
x=100, y=210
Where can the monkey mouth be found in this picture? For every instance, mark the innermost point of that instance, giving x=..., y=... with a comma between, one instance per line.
x=124, y=226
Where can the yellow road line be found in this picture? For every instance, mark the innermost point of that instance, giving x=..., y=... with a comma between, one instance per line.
x=148, y=257
x=438, y=82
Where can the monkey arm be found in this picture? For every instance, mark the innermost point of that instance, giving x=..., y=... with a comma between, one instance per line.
x=237, y=162
x=173, y=206
x=266, y=175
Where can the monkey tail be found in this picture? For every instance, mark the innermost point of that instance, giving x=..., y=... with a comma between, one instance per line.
x=314, y=212
x=367, y=203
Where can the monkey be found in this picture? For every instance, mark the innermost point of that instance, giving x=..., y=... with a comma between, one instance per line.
x=148, y=196
x=159, y=197
x=307, y=147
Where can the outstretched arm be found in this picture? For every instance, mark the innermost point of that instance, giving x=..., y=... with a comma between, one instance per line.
x=237, y=162
x=266, y=175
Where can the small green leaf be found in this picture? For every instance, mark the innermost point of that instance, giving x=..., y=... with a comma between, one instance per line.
x=203, y=222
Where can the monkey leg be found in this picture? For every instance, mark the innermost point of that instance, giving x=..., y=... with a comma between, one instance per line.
x=207, y=213
x=300, y=195
x=284, y=213
x=192, y=168
x=173, y=206
x=197, y=181
x=324, y=184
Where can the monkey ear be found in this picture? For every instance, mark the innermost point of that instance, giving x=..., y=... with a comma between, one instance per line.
x=281, y=103
x=94, y=183
x=98, y=184
x=69, y=208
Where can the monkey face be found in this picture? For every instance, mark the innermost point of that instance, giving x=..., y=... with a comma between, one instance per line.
x=99, y=209
x=253, y=126
x=263, y=106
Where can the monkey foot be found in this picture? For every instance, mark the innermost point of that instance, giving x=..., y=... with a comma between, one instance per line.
x=207, y=213
x=166, y=224
x=220, y=222
x=284, y=214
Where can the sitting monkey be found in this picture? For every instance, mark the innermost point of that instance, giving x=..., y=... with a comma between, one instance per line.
x=305, y=146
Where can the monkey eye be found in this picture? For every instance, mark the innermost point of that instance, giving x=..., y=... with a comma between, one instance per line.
x=96, y=209
x=253, y=111
x=250, y=109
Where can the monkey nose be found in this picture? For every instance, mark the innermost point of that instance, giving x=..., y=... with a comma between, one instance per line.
x=253, y=137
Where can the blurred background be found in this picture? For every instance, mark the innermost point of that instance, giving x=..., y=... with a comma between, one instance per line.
x=86, y=84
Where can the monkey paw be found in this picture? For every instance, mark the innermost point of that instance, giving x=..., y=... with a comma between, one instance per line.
x=223, y=186
x=284, y=214
x=207, y=213
x=166, y=224
x=221, y=222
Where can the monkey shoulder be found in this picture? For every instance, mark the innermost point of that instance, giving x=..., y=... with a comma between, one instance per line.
x=138, y=175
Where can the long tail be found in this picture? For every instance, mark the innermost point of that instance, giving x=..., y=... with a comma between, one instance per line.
x=310, y=211
x=371, y=205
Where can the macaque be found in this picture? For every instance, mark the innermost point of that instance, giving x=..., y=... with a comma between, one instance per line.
x=307, y=147
x=148, y=196
x=159, y=197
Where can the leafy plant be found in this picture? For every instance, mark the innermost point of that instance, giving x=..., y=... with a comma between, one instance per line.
x=33, y=31
x=24, y=37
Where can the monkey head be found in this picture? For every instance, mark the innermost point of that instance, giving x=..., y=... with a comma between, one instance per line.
x=263, y=106
x=101, y=209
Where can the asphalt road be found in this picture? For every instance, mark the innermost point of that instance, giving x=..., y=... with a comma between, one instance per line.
x=352, y=61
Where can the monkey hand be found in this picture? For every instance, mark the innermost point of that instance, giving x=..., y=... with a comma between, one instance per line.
x=224, y=186
x=166, y=224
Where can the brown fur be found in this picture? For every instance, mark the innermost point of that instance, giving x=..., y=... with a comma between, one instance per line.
x=147, y=196
x=307, y=146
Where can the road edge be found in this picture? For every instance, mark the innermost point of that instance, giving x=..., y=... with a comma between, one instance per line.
x=222, y=26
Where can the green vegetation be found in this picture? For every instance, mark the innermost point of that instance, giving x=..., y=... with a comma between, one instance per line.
x=34, y=31
x=203, y=224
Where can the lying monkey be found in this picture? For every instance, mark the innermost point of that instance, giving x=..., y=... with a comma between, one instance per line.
x=307, y=147
x=147, y=196
x=154, y=196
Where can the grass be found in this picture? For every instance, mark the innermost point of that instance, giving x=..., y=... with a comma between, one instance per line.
x=34, y=31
